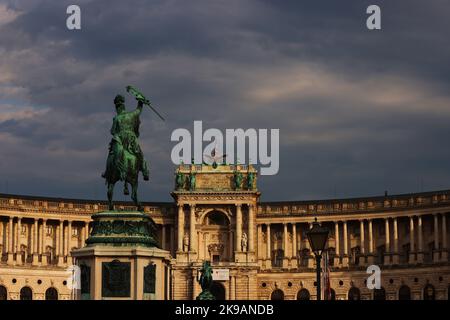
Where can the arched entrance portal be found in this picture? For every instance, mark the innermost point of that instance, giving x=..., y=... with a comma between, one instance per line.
x=277, y=295
x=51, y=294
x=3, y=293
x=303, y=294
x=26, y=294
x=404, y=293
x=218, y=290
x=215, y=238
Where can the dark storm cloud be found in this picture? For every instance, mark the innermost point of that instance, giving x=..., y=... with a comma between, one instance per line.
x=359, y=112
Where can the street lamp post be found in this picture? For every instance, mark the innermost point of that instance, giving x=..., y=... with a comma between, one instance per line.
x=317, y=237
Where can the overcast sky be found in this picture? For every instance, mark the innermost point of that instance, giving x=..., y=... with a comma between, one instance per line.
x=359, y=111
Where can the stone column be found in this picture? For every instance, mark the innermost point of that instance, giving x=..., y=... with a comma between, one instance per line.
x=180, y=227
x=192, y=231
x=237, y=245
x=35, y=256
x=83, y=235
x=420, y=236
x=60, y=243
x=10, y=260
x=251, y=228
x=444, y=254
x=345, y=258
x=362, y=258
x=163, y=236
x=285, y=246
x=311, y=258
x=294, y=246
x=337, y=258
x=387, y=242
x=86, y=234
x=259, y=235
x=371, y=253
x=436, y=238
x=411, y=240
x=18, y=233
x=232, y=288
x=395, y=259
x=268, y=249
x=172, y=240
x=42, y=250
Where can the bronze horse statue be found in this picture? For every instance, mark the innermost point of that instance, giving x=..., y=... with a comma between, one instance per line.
x=125, y=157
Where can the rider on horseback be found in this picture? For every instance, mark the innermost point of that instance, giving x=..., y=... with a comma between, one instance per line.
x=125, y=132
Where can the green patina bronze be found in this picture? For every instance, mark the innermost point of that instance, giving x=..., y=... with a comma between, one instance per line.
x=125, y=157
x=250, y=180
x=122, y=229
x=206, y=282
x=192, y=181
x=179, y=181
x=238, y=177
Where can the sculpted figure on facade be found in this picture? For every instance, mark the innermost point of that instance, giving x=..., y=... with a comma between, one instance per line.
x=179, y=181
x=250, y=180
x=244, y=241
x=192, y=181
x=186, y=243
x=237, y=180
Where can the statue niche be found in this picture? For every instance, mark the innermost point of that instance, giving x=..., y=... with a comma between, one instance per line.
x=215, y=235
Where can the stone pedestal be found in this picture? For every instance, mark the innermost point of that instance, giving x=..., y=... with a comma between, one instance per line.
x=395, y=259
x=122, y=260
x=337, y=261
x=123, y=273
x=34, y=259
x=362, y=260
x=285, y=263
x=345, y=260
x=10, y=260
x=240, y=256
x=412, y=258
x=293, y=263
x=444, y=255
x=387, y=259
x=419, y=257
x=436, y=256
x=311, y=262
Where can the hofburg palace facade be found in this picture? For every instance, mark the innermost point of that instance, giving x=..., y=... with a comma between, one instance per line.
x=260, y=248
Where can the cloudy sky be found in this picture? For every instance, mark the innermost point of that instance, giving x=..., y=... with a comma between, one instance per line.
x=359, y=111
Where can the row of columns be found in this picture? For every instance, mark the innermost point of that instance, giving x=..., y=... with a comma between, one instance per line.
x=238, y=232
x=392, y=248
x=36, y=244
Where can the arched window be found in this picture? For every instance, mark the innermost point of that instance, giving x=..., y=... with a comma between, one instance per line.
x=277, y=295
x=217, y=218
x=354, y=294
x=3, y=293
x=428, y=292
x=379, y=294
x=26, y=294
x=404, y=293
x=51, y=294
x=303, y=294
